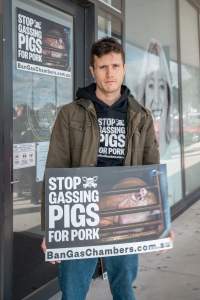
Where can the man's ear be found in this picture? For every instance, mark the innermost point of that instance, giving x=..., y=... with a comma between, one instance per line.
x=92, y=71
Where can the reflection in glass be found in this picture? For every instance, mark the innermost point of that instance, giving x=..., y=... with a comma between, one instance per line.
x=154, y=74
x=108, y=25
x=37, y=99
x=190, y=70
x=113, y=3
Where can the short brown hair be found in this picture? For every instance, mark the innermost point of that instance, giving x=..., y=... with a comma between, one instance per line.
x=105, y=46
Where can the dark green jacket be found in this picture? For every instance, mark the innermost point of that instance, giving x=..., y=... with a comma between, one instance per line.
x=75, y=138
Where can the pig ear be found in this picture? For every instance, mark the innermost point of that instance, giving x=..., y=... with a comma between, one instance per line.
x=84, y=179
x=95, y=178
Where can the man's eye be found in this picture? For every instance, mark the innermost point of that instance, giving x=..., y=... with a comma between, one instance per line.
x=115, y=66
x=102, y=67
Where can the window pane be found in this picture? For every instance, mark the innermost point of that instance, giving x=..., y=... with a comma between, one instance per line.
x=113, y=3
x=152, y=76
x=108, y=25
x=42, y=44
x=190, y=70
x=37, y=98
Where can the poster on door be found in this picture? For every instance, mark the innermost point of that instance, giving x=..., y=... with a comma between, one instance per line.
x=42, y=46
x=97, y=212
x=23, y=155
x=41, y=154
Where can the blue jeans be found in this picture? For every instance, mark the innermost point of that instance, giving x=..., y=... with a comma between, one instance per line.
x=75, y=276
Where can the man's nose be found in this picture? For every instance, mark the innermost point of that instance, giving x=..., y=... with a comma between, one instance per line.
x=110, y=71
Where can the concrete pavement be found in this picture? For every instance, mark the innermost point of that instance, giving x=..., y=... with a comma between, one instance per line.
x=174, y=275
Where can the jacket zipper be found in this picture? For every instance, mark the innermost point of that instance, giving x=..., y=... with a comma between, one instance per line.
x=126, y=139
x=94, y=118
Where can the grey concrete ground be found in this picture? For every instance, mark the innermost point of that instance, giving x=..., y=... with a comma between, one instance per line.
x=174, y=275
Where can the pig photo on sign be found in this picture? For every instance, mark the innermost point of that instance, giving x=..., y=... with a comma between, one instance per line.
x=89, y=182
x=137, y=198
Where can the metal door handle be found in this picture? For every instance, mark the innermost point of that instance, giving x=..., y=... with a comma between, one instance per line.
x=15, y=181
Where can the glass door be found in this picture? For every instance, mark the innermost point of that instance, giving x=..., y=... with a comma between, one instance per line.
x=190, y=73
x=44, y=79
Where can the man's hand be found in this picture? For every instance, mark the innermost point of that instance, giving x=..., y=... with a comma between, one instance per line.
x=172, y=237
x=44, y=248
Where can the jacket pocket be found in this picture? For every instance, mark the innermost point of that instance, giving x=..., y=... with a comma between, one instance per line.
x=76, y=125
x=137, y=148
x=79, y=125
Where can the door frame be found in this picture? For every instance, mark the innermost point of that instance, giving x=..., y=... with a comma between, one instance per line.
x=6, y=205
x=81, y=76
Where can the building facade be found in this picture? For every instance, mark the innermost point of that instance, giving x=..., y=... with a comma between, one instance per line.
x=44, y=58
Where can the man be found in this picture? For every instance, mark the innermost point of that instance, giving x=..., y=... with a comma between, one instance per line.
x=104, y=126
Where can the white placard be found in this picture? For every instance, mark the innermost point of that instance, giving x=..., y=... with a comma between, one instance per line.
x=23, y=155
x=42, y=151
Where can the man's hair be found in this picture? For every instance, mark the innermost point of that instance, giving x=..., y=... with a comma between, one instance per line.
x=105, y=46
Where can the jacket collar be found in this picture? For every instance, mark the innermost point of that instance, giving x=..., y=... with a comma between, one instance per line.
x=87, y=104
x=133, y=105
x=134, y=108
x=133, y=114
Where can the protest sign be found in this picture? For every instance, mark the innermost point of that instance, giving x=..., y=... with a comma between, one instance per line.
x=96, y=212
x=43, y=46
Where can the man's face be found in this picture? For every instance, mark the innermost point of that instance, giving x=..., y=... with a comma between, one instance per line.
x=108, y=71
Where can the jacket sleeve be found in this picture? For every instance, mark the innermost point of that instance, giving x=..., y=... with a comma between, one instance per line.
x=151, y=148
x=58, y=154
